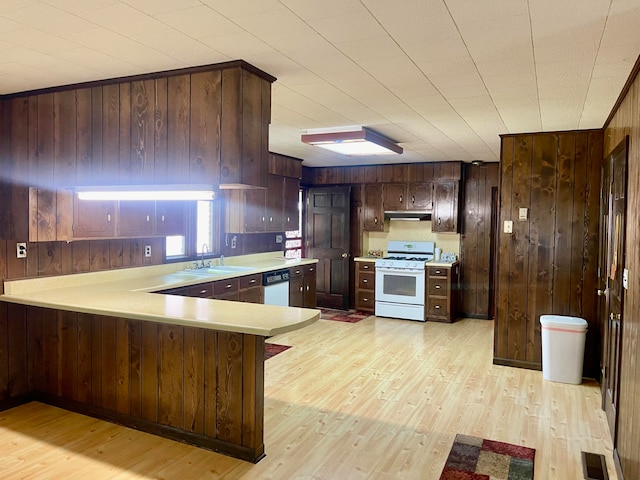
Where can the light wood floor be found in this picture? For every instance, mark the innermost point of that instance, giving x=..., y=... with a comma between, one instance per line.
x=379, y=399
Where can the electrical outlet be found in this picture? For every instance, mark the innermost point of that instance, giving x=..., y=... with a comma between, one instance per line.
x=21, y=250
x=508, y=226
x=147, y=251
x=278, y=238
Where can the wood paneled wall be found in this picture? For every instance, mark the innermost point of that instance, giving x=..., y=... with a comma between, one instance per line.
x=476, y=254
x=192, y=384
x=200, y=125
x=626, y=121
x=548, y=264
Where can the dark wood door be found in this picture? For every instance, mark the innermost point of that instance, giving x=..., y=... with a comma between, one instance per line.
x=327, y=239
x=612, y=250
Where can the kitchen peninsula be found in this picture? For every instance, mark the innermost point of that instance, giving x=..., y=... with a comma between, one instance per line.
x=103, y=344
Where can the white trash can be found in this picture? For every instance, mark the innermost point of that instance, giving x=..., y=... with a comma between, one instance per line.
x=563, y=348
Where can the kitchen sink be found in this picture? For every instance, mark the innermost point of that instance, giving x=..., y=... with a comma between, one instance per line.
x=217, y=270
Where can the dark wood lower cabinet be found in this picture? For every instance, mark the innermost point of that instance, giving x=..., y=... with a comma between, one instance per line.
x=302, y=286
x=194, y=385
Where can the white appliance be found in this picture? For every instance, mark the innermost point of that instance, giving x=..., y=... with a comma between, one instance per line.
x=400, y=280
x=276, y=287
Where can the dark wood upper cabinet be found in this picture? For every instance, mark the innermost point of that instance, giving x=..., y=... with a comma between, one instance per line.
x=94, y=219
x=445, y=212
x=420, y=196
x=171, y=218
x=136, y=218
x=290, y=213
x=373, y=214
x=394, y=196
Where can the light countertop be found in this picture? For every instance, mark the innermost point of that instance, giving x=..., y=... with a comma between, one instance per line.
x=429, y=264
x=126, y=293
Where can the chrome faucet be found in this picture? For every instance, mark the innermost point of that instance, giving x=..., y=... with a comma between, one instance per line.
x=222, y=260
x=205, y=248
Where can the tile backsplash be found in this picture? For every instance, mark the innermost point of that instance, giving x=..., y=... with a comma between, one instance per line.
x=410, y=231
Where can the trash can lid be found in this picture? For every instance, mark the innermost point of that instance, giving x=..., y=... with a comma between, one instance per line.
x=564, y=322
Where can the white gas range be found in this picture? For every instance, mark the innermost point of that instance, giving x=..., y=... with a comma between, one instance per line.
x=400, y=280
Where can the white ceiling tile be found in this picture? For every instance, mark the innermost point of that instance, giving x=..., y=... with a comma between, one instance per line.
x=445, y=77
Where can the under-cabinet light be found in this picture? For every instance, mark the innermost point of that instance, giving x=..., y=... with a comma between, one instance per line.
x=351, y=141
x=147, y=192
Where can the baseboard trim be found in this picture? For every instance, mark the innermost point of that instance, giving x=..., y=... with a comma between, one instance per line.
x=507, y=362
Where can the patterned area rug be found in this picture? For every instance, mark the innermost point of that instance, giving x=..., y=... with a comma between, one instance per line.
x=473, y=458
x=273, y=349
x=350, y=316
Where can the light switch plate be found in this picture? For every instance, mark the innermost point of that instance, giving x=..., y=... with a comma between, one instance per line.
x=278, y=238
x=523, y=214
x=508, y=226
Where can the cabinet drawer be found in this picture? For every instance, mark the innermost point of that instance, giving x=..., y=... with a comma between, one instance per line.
x=204, y=290
x=437, y=307
x=438, y=272
x=366, y=266
x=224, y=286
x=365, y=300
x=438, y=286
x=366, y=280
x=295, y=272
x=249, y=281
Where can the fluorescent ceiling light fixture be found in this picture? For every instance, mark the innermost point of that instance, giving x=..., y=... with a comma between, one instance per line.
x=352, y=141
x=147, y=192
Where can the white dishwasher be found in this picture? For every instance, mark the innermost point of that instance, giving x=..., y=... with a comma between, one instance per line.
x=276, y=287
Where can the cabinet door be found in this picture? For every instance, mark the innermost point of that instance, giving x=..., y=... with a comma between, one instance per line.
x=291, y=209
x=296, y=287
x=254, y=205
x=93, y=218
x=275, y=203
x=373, y=216
x=394, y=196
x=136, y=218
x=445, y=212
x=310, y=284
x=420, y=196
x=171, y=218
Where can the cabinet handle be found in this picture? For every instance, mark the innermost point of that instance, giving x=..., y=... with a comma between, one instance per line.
x=252, y=281
x=365, y=299
x=162, y=217
x=288, y=220
x=437, y=287
x=312, y=269
x=400, y=198
x=439, y=221
x=109, y=217
x=365, y=267
x=437, y=307
x=375, y=220
x=228, y=285
x=300, y=287
x=148, y=219
x=365, y=281
x=307, y=288
x=270, y=219
x=202, y=292
x=263, y=219
x=297, y=272
x=438, y=272
x=413, y=199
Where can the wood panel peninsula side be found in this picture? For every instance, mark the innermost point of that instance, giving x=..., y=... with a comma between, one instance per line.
x=185, y=368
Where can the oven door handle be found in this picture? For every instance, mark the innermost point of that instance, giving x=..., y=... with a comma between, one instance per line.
x=398, y=271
